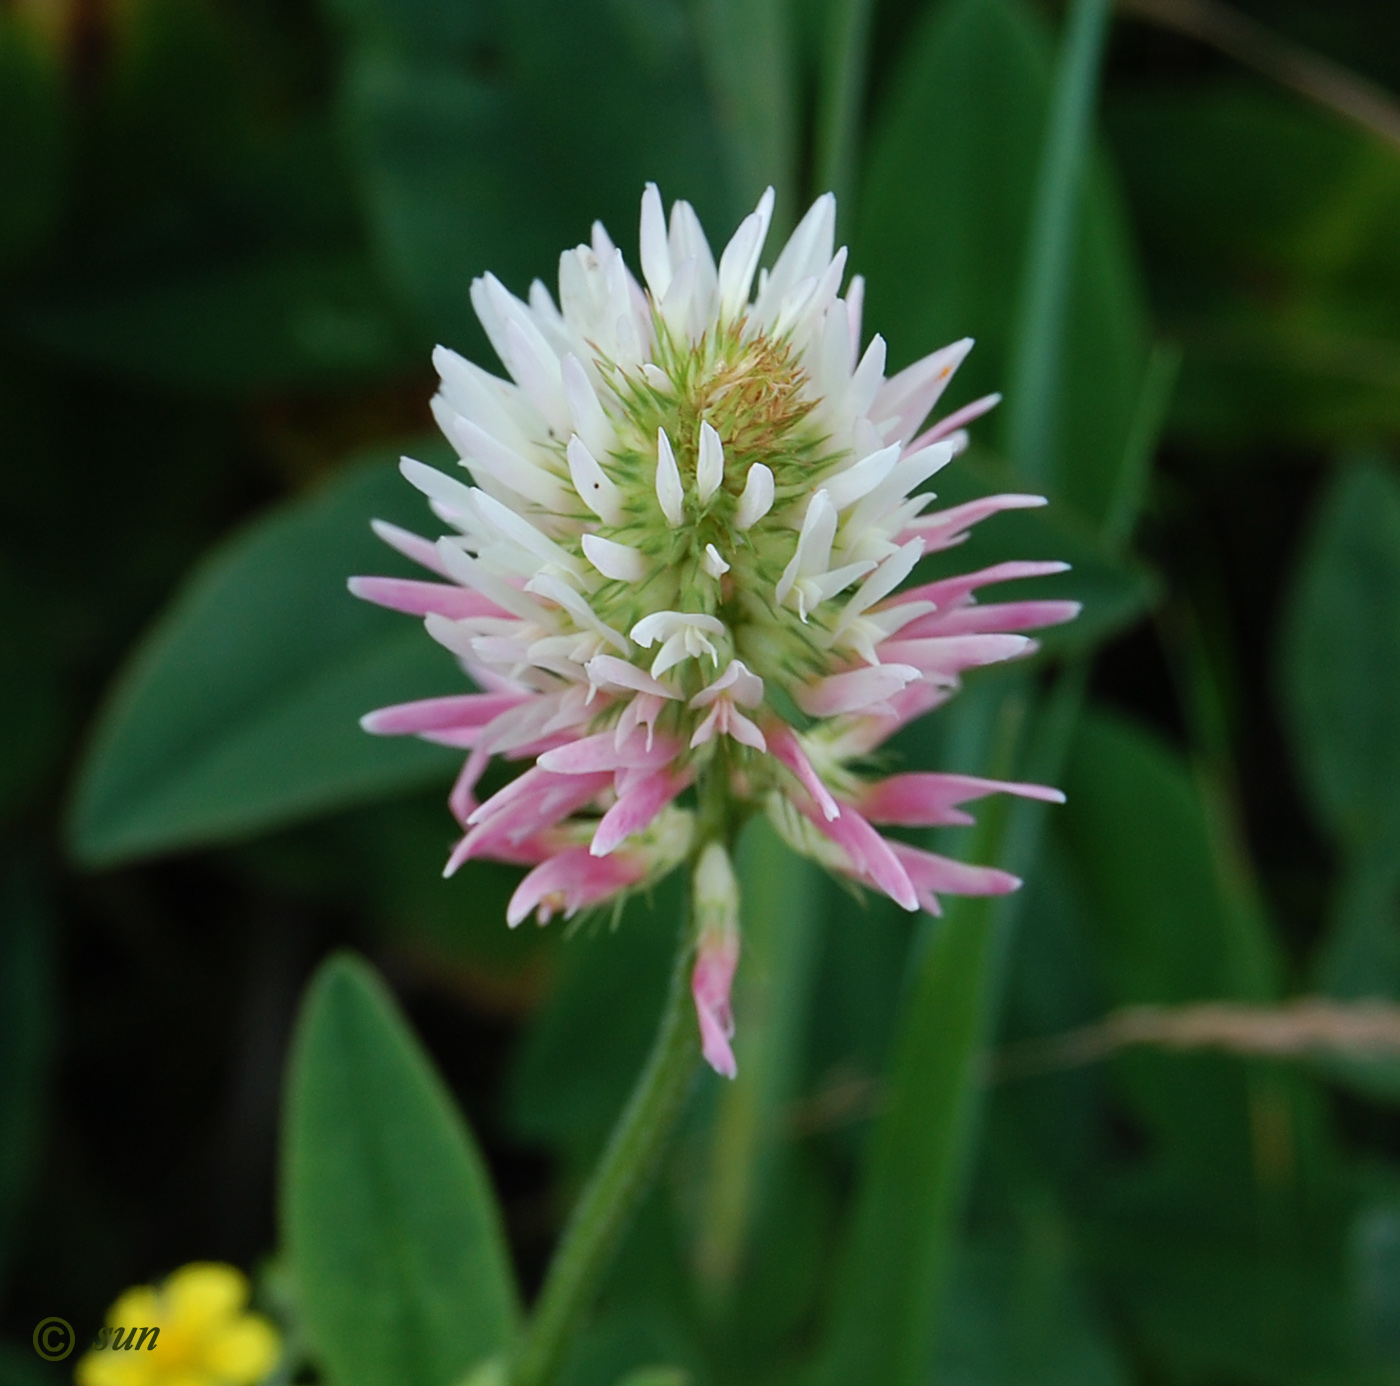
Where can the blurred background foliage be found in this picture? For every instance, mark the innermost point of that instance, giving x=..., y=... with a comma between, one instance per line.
x=230, y=233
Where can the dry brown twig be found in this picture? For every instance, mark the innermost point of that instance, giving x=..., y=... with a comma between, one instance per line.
x=1309, y=1026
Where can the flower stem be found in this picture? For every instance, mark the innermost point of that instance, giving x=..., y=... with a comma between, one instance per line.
x=618, y=1184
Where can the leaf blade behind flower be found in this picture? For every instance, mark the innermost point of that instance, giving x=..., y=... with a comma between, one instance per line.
x=239, y=711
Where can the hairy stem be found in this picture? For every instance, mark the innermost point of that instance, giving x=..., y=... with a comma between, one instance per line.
x=617, y=1186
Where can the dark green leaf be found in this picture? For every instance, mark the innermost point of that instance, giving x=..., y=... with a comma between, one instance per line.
x=1016, y=1317
x=1274, y=262
x=748, y=47
x=944, y=216
x=281, y=321
x=1340, y=660
x=491, y=136
x=239, y=711
x=1164, y=929
x=395, y=1241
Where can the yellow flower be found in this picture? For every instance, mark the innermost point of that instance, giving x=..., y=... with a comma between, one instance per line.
x=206, y=1336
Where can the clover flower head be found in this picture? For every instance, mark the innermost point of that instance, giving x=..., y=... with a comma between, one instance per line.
x=202, y=1334
x=694, y=503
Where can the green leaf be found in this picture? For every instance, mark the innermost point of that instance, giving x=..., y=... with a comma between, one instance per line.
x=944, y=215
x=1217, y=1290
x=1016, y=1317
x=1340, y=660
x=467, y=161
x=1274, y=261
x=1164, y=930
x=845, y=57
x=393, y=1233
x=273, y=322
x=238, y=712
x=1029, y=422
x=748, y=47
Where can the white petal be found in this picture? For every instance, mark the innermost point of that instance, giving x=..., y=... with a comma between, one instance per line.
x=709, y=470
x=595, y=488
x=660, y=625
x=437, y=486
x=806, y=255
x=745, y=731
x=855, y=302
x=621, y=562
x=747, y=686
x=813, y=544
x=656, y=253
x=883, y=581
x=590, y=419
x=688, y=242
x=757, y=499
x=865, y=383
x=740, y=258
x=487, y=456
x=521, y=532
x=470, y=573
x=668, y=481
x=713, y=562
x=547, y=583
x=847, y=487
x=908, y=472
x=496, y=405
x=802, y=313
x=608, y=672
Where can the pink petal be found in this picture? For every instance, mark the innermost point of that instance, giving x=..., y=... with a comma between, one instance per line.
x=872, y=857
x=745, y=731
x=952, y=591
x=507, y=819
x=785, y=746
x=855, y=690
x=588, y=754
x=710, y=984
x=436, y=714
x=419, y=598
x=572, y=880
x=950, y=423
x=977, y=619
x=636, y=808
x=944, y=528
x=931, y=873
x=923, y=799
x=948, y=656
x=908, y=396
x=462, y=800
x=422, y=551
